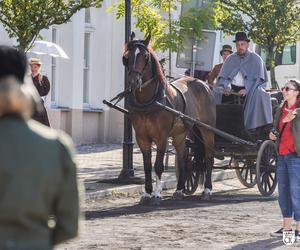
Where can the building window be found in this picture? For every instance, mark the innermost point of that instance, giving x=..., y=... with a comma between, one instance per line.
x=86, y=67
x=286, y=57
x=53, y=69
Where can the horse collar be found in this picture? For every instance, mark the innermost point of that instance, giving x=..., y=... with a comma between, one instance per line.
x=150, y=106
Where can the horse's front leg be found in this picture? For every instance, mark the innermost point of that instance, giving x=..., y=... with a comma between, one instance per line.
x=179, y=144
x=145, y=199
x=159, y=168
x=145, y=146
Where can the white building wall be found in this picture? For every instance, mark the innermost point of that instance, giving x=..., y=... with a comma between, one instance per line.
x=93, y=122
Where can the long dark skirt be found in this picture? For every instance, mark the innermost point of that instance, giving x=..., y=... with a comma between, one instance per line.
x=41, y=116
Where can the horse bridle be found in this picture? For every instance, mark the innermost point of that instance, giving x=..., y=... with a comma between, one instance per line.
x=158, y=95
x=141, y=84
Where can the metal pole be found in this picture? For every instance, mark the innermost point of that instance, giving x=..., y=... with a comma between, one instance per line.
x=194, y=52
x=127, y=171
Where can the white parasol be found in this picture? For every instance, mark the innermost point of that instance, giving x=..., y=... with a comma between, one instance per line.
x=48, y=48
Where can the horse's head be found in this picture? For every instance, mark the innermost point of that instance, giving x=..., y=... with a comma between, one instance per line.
x=137, y=58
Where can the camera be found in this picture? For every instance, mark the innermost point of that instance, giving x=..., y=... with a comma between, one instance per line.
x=275, y=132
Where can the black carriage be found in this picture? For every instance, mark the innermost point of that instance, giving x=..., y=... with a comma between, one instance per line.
x=254, y=160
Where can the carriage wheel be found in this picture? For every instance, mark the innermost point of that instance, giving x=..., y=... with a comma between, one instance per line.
x=192, y=173
x=246, y=173
x=266, y=168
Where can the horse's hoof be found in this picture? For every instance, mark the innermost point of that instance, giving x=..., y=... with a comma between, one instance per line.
x=178, y=195
x=206, y=194
x=205, y=197
x=155, y=201
x=145, y=200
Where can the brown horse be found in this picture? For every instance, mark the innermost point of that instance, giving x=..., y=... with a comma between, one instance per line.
x=152, y=124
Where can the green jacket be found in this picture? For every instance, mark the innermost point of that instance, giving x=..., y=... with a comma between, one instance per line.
x=37, y=182
x=295, y=126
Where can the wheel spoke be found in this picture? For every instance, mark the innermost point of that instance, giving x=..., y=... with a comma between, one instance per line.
x=195, y=175
x=265, y=184
x=246, y=174
x=243, y=173
x=188, y=184
x=272, y=178
x=263, y=168
x=268, y=182
x=192, y=181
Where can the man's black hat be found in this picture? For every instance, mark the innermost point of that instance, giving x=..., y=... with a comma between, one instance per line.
x=12, y=63
x=241, y=36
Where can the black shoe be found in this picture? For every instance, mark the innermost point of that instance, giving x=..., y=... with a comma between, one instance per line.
x=277, y=233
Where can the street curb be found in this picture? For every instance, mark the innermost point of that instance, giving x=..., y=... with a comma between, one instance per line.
x=168, y=182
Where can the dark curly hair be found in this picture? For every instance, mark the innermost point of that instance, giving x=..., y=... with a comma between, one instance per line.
x=296, y=85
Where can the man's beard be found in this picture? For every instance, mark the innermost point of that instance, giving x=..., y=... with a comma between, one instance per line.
x=242, y=53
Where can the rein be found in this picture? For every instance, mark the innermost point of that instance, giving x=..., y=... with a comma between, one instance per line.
x=159, y=92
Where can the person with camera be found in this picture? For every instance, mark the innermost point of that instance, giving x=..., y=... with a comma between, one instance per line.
x=286, y=133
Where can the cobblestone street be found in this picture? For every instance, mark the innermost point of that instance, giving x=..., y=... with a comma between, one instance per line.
x=236, y=218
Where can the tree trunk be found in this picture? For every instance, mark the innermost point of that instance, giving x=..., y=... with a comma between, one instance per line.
x=21, y=47
x=273, y=79
x=271, y=65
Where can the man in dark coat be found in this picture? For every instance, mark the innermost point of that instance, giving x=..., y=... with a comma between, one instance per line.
x=39, y=205
x=245, y=71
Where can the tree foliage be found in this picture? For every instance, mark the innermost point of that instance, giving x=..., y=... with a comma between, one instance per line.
x=24, y=19
x=270, y=23
x=167, y=33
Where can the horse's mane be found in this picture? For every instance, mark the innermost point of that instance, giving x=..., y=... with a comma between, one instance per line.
x=155, y=60
x=158, y=67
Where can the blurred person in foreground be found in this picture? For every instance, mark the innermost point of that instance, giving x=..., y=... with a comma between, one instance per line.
x=287, y=125
x=39, y=205
x=42, y=84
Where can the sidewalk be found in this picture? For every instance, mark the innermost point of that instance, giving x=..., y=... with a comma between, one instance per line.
x=100, y=164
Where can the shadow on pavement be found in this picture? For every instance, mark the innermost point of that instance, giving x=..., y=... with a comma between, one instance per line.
x=219, y=198
x=267, y=244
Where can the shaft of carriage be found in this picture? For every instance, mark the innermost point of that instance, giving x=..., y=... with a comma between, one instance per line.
x=115, y=106
x=196, y=122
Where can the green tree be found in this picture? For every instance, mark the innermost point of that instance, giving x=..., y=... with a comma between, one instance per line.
x=272, y=24
x=24, y=19
x=168, y=33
